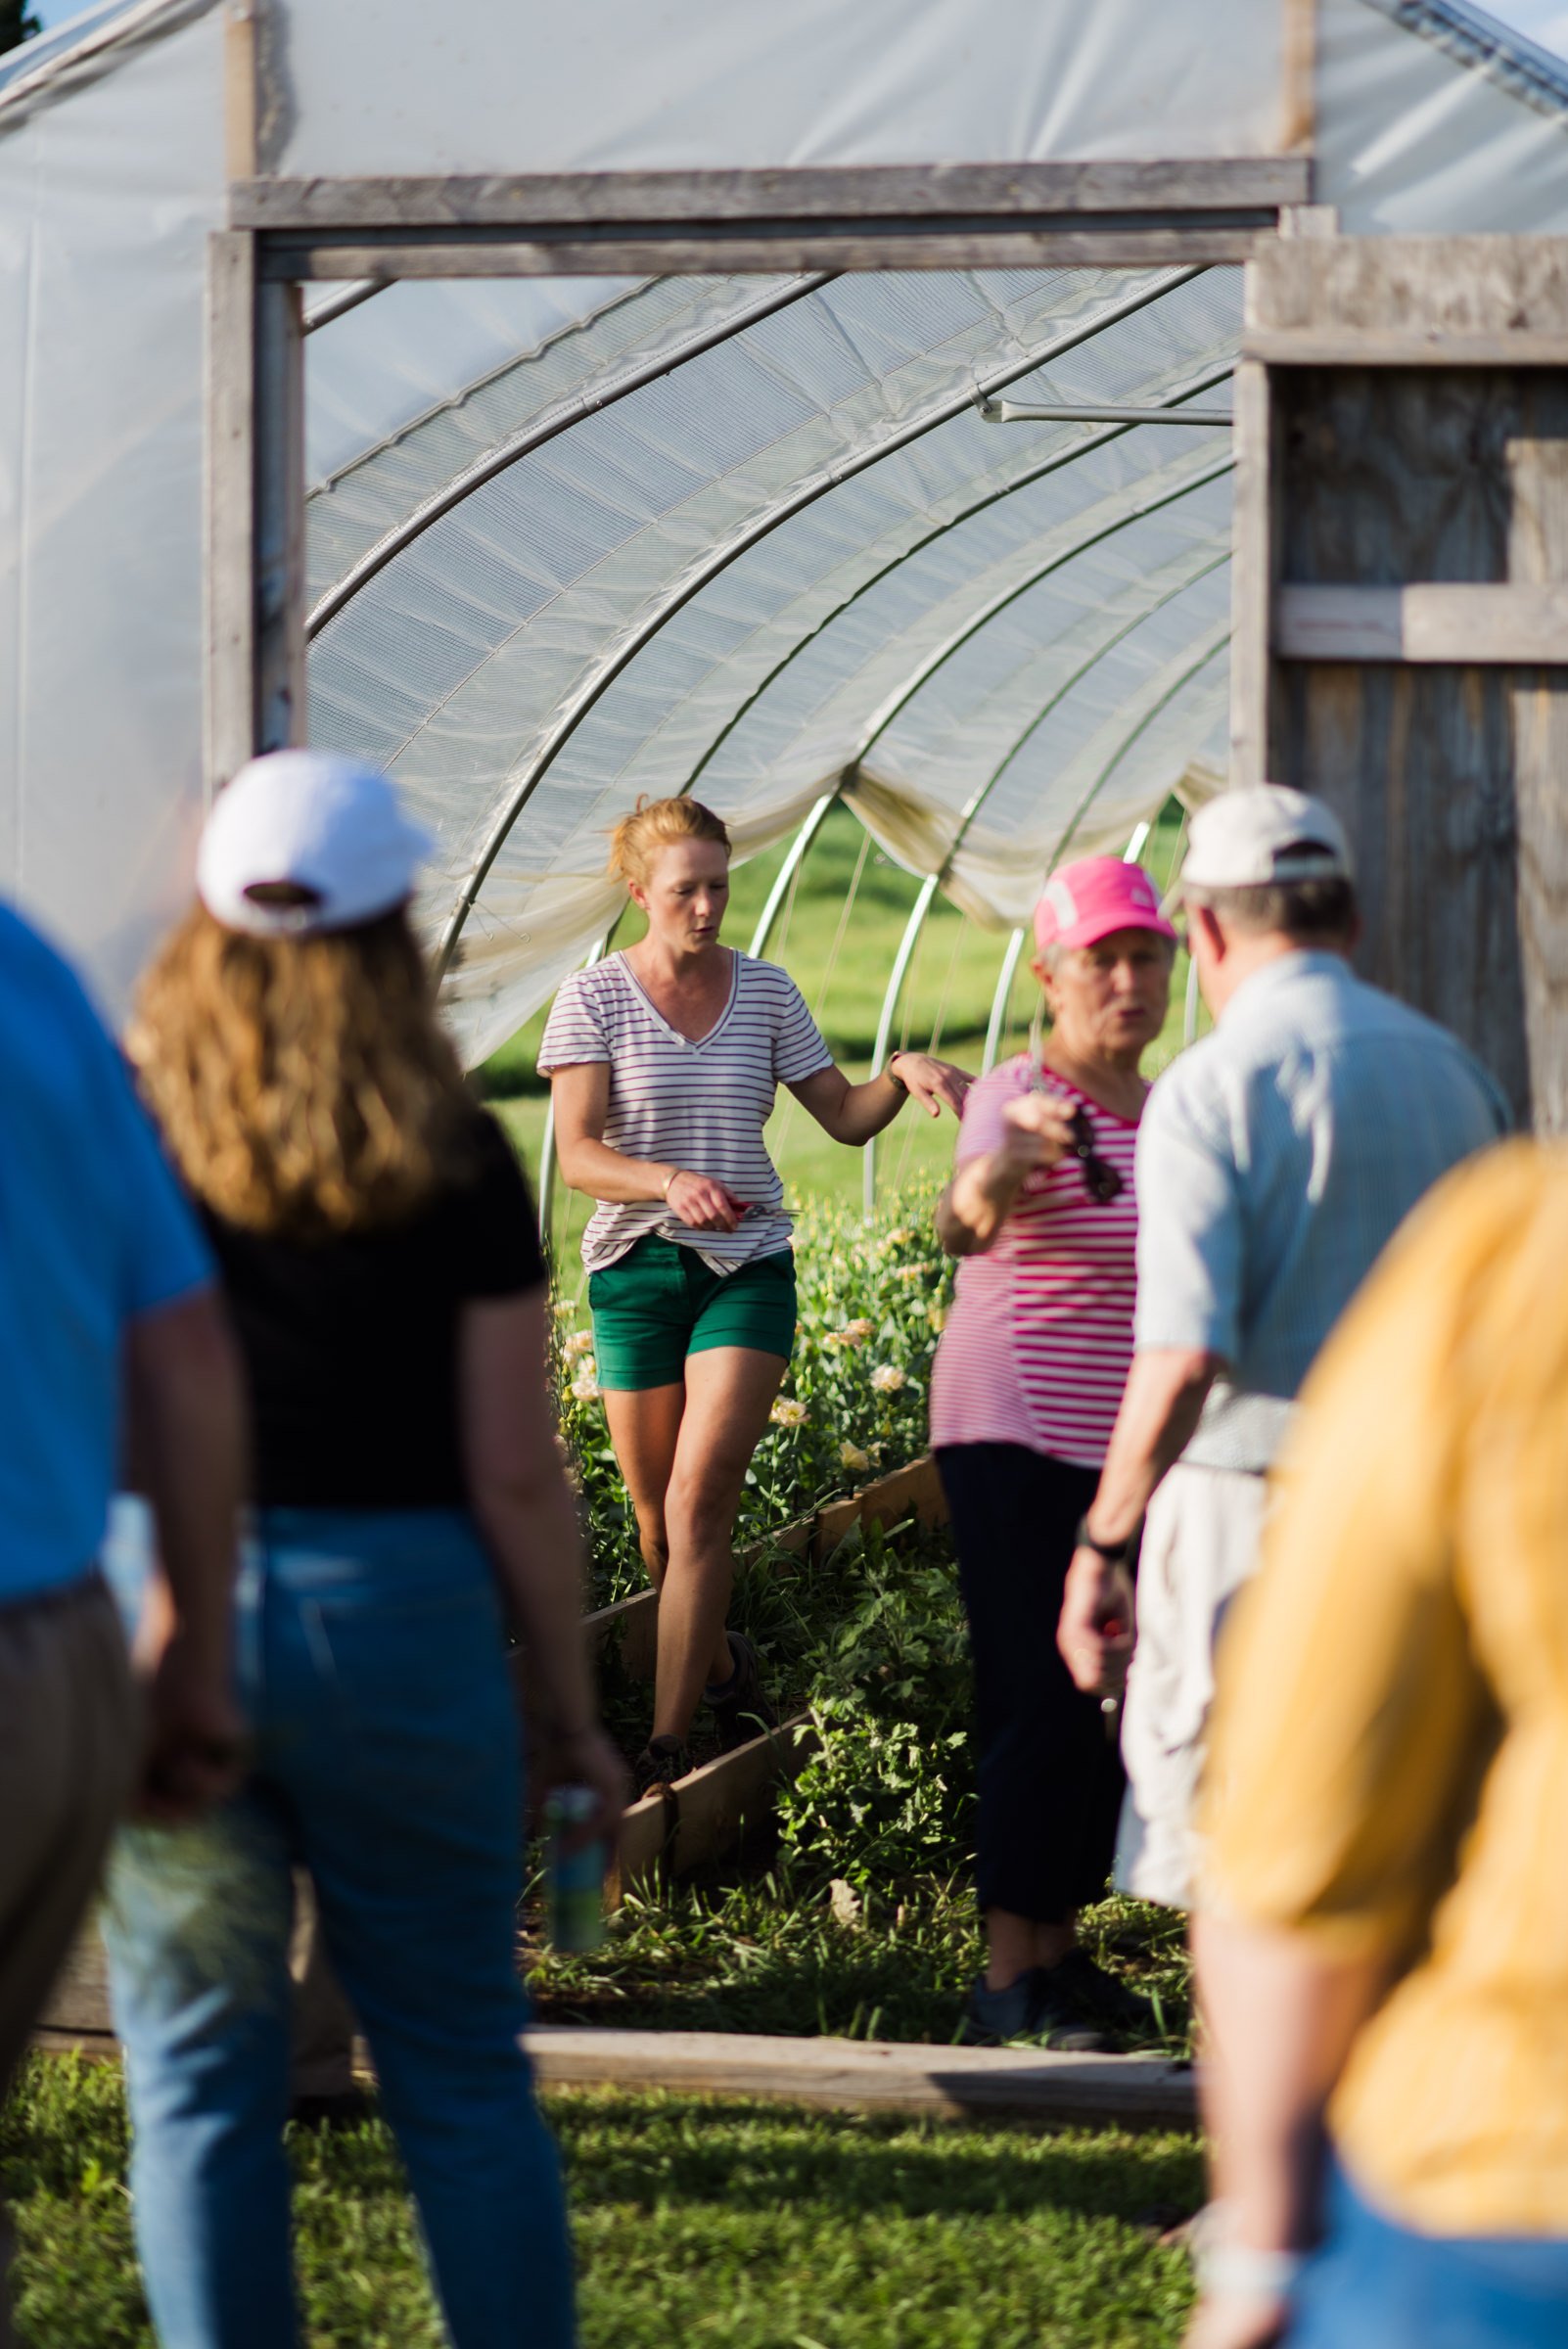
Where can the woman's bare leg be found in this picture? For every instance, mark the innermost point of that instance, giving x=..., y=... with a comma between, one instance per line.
x=644, y=1426
x=729, y=1392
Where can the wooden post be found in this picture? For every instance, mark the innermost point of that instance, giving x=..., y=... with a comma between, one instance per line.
x=1401, y=594
x=230, y=584
x=280, y=544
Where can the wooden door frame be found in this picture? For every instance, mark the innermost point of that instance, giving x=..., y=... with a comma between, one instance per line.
x=285, y=234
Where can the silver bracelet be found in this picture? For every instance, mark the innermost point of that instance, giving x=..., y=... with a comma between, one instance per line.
x=1238, y=2272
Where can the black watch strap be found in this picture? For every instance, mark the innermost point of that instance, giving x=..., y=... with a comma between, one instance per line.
x=1115, y=1554
x=892, y=1073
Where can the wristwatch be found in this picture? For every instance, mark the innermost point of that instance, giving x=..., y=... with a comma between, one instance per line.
x=892, y=1073
x=1115, y=1554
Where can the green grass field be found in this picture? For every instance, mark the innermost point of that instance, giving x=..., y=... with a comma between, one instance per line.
x=696, y=2221
x=838, y=936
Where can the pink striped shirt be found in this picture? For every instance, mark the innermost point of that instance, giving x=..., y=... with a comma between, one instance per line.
x=1040, y=1339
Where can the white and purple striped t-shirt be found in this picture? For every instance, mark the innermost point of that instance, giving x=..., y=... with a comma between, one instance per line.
x=700, y=1106
x=1040, y=1339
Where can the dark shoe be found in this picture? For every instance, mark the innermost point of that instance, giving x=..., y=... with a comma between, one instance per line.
x=662, y=1760
x=1100, y=1997
x=1031, y=2010
x=743, y=1712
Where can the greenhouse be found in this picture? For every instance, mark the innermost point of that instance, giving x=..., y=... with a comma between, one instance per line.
x=948, y=444
x=949, y=544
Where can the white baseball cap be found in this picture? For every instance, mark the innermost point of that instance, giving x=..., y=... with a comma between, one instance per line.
x=1265, y=836
x=317, y=821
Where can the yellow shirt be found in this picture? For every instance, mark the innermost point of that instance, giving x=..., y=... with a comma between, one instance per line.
x=1389, y=1768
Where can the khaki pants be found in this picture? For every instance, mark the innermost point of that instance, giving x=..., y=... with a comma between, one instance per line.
x=67, y=1753
x=1200, y=1544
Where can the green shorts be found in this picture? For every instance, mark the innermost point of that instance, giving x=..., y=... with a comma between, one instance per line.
x=659, y=1301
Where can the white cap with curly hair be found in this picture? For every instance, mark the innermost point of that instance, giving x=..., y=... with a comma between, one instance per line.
x=307, y=841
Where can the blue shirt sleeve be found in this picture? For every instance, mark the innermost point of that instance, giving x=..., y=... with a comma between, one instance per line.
x=1190, y=1250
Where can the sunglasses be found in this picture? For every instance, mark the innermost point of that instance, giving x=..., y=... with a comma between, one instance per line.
x=1100, y=1178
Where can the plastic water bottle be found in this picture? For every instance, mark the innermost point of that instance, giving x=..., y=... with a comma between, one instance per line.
x=576, y=1879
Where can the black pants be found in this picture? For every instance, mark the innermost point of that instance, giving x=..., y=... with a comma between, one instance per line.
x=1050, y=1781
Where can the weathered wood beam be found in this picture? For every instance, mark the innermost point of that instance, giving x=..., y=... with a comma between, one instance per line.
x=1410, y=302
x=575, y=200
x=1126, y=2092
x=789, y=244
x=1522, y=627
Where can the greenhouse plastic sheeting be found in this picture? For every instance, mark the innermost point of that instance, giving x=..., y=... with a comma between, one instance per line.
x=106, y=199
x=852, y=529
x=394, y=86
x=572, y=540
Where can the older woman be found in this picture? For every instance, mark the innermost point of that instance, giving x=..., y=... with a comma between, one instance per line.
x=1024, y=1393
x=665, y=1061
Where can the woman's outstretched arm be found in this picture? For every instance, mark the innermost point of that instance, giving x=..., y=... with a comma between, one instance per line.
x=853, y=1113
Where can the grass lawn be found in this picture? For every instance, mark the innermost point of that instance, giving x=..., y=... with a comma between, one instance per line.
x=748, y=2225
x=839, y=948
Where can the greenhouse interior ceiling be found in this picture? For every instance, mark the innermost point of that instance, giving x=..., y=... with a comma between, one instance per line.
x=759, y=539
x=776, y=539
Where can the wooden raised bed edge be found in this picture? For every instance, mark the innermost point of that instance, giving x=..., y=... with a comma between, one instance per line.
x=1124, y=2091
x=914, y=1490
x=698, y=1819
x=1107, y=2091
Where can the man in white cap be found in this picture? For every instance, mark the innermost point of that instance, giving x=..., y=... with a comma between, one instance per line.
x=1275, y=1161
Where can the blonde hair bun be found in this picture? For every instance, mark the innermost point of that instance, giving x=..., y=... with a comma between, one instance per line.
x=653, y=824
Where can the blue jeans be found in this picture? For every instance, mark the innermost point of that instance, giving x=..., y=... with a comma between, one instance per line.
x=371, y=1668
x=1375, y=2284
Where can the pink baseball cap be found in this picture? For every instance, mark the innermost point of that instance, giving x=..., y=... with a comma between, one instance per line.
x=1089, y=899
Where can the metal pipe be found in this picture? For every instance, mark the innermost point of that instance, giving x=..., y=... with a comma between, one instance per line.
x=890, y=1004
x=1108, y=644
x=577, y=706
x=1077, y=411
x=1022, y=481
x=976, y=803
x=927, y=668
x=996, y=1024
x=348, y=298
x=1179, y=678
x=790, y=865
x=495, y=461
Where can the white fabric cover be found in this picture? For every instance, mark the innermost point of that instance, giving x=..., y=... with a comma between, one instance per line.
x=492, y=85
x=106, y=196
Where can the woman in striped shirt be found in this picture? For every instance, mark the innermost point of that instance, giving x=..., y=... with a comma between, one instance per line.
x=664, y=1060
x=1024, y=1393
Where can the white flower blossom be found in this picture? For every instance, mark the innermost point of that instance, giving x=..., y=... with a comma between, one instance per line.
x=788, y=1411
x=586, y=1386
x=936, y=1315
x=579, y=1342
x=563, y=1308
x=854, y=1333
x=888, y=1378
x=851, y=1456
